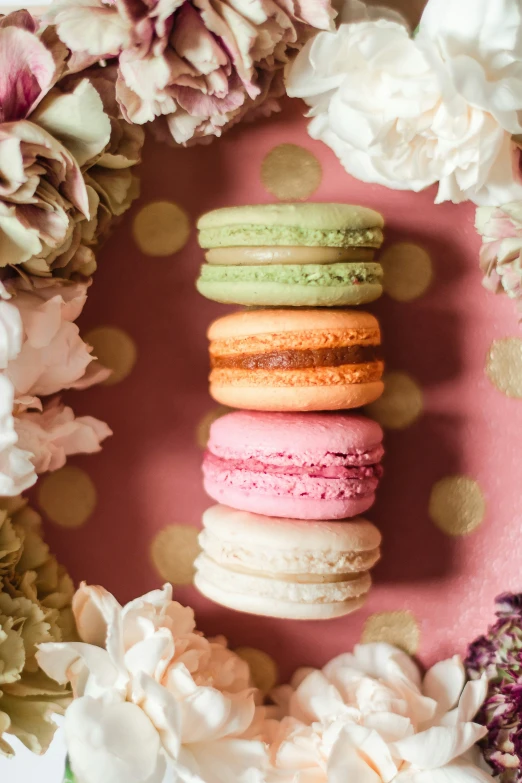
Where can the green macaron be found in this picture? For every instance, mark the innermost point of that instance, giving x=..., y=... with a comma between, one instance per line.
x=296, y=255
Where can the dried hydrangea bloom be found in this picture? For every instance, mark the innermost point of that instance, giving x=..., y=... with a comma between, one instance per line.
x=498, y=654
x=35, y=607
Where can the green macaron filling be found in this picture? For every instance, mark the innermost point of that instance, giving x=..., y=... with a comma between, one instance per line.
x=290, y=236
x=294, y=274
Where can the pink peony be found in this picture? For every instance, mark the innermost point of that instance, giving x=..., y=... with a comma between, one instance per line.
x=55, y=433
x=29, y=63
x=41, y=352
x=53, y=356
x=501, y=251
x=200, y=66
x=65, y=154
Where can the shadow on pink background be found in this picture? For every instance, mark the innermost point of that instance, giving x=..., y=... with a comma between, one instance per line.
x=148, y=475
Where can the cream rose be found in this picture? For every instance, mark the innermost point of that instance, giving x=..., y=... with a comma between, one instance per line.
x=400, y=112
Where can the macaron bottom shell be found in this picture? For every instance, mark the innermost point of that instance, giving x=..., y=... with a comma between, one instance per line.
x=252, y=603
x=290, y=506
x=252, y=294
x=297, y=398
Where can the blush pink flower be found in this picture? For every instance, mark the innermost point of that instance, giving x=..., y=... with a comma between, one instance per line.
x=501, y=251
x=53, y=356
x=29, y=65
x=65, y=154
x=54, y=434
x=200, y=66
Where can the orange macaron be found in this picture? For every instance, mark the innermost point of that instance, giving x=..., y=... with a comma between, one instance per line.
x=296, y=360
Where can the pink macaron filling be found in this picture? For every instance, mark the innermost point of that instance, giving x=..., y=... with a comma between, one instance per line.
x=235, y=469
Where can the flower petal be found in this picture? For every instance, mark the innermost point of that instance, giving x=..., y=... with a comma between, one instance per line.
x=439, y=745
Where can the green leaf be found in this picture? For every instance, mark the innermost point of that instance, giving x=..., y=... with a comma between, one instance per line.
x=69, y=777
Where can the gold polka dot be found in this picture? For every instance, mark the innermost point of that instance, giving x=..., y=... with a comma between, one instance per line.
x=457, y=505
x=407, y=271
x=291, y=173
x=173, y=551
x=203, y=428
x=401, y=403
x=161, y=228
x=262, y=667
x=504, y=366
x=114, y=349
x=397, y=628
x=67, y=496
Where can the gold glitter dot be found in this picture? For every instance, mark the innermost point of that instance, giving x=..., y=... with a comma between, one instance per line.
x=504, y=366
x=67, y=496
x=397, y=628
x=114, y=349
x=407, y=271
x=401, y=403
x=457, y=505
x=173, y=551
x=291, y=173
x=203, y=428
x=262, y=667
x=161, y=228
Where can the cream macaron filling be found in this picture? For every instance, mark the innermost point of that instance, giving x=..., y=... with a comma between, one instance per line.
x=296, y=588
x=254, y=256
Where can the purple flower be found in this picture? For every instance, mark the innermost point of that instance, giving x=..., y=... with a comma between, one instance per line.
x=499, y=654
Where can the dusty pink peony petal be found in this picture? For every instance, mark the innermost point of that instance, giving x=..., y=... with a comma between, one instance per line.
x=202, y=65
x=29, y=65
x=55, y=434
x=501, y=252
x=53, y=356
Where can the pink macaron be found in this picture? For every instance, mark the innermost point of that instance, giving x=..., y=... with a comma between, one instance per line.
x=294, y=465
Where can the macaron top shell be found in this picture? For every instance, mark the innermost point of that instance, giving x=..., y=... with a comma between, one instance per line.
x=338, y=217
x=244, y=529
x=320, y=439
x=253, y=322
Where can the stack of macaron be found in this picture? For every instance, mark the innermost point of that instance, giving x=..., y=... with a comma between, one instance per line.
x=289, y=470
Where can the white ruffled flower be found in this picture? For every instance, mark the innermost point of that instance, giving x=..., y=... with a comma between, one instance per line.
x=16, y=469
x=140, y=706
x=368, y=717
x=408, y=113
x=10, y=329
x=480, y=43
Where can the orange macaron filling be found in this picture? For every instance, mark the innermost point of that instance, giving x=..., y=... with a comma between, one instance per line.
x=301, y=357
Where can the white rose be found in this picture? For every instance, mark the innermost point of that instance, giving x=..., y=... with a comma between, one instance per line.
x=480, y=43
x=390, y=112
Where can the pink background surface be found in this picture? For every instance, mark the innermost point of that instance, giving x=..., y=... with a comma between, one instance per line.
x=148, y=475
